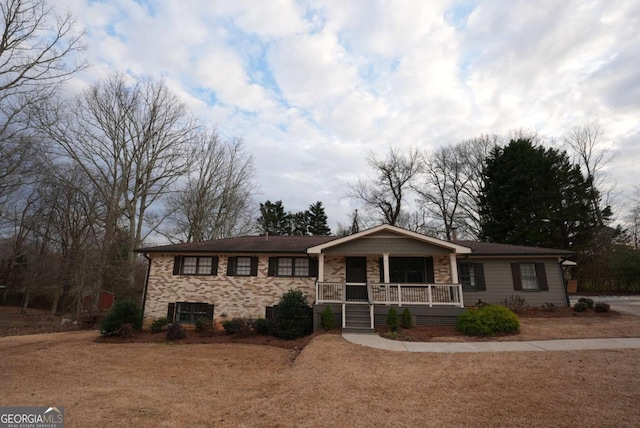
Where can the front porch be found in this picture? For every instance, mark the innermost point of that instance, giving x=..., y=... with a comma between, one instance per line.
x=365, y=305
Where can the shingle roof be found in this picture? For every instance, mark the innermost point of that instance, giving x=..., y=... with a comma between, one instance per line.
x=245, y=244
x=490, y=248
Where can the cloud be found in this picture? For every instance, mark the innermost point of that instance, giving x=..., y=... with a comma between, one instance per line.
x=314, y=86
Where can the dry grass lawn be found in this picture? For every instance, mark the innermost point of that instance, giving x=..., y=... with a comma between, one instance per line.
x=331, y=382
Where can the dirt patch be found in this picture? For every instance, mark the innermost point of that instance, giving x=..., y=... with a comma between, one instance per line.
x=14, y=322
x=332, y=382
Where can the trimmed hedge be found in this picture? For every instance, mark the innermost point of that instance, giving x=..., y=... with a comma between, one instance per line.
x=488, y=320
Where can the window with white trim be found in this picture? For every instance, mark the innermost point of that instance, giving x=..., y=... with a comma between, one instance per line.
x=467, y=277
x=196, y=265
x=292, y=266
x=243, y=266
x=188, y=313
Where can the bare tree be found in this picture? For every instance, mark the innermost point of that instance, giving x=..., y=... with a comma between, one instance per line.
x=132, y=140
x=35, y=48
x=216, y=198
x=585, y=143
x=385, y=194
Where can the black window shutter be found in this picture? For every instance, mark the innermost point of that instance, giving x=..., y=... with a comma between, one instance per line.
x=177, y=262
x=254, y=266
x=428, y=263
x=478, y=271
x=214, y=265
x=231, y=266
x=313, y=268
x=171, y=308
x=273, y=262
x=381, y=265
x=541, y=276
x=210, y=312
x=517, y=278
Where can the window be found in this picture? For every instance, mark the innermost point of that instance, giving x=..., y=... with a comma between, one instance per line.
x=471, y=276
x=195, y=265
x=416, y=270
x=189, y=312
x=467, y=277
x=528, y=276
x=242, y=266
x=289, y=266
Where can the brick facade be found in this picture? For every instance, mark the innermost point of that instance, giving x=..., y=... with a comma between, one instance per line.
x=245, y=296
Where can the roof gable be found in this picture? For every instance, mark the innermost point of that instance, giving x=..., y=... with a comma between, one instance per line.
x=387, y=230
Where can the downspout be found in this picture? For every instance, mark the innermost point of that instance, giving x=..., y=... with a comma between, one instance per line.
x=564, y=281
x=146, y=284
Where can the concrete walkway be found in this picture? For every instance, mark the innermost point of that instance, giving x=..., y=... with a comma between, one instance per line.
x=375, y=341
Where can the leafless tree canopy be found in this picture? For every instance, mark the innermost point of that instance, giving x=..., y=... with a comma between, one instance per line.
x=215, y=200
x=384, y=195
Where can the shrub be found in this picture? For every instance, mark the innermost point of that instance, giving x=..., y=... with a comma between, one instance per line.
x=549, y=307
x=262, y=326
x=203, y=325
x=586, y=300
x=176, y=331
x=228, y=326
x=159, y=324
x=125, y=330
x=406, y=320
x=122, y=312
x=488, y=320
x=392, y=320
x=515, y=303
x=292, y=318
x=239, y=326
x=580, y=307
x=602, y=307
x=327, y=321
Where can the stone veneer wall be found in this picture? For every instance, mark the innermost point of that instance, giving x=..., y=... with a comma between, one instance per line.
x=441, y=270
x=241, y=296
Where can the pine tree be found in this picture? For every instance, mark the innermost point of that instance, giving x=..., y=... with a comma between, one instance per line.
x=273, y=219
x=317, y=220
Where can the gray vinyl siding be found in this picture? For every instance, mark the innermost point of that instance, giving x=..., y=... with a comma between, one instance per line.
x=391, y=245
x=499, y=282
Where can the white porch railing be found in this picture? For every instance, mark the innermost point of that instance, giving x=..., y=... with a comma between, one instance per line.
x=398, y=294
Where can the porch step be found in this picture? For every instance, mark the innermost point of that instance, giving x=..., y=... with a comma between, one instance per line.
x=358, y=317
x=358, y=330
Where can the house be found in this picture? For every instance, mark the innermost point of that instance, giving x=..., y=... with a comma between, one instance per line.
x=359, y=276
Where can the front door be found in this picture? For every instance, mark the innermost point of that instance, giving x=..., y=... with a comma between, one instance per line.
x=356, y=276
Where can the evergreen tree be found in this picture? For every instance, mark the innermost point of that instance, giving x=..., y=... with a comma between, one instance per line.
x=273, y=220
x=300, y=223
x=317, y=220
x=535, y=196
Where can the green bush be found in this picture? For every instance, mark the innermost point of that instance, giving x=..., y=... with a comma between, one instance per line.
x=262, y=326
x=602, y=307
x=122, y=312
x=228, y=326
x=586, y=300
x=581, y=306
x=125, y=330
x=392, y=320
x=176, y=331
x=488, y=320
x=203, y=325
x=159, y=324
x=327, y=321
x=406, y=320
x=292, y=318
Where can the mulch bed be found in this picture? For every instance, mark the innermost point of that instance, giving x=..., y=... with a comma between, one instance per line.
x=563, y=313
x=194, y=337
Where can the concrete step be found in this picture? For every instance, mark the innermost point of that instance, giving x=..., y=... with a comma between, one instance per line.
x=359, y=330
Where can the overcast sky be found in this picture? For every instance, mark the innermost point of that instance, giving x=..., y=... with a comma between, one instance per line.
x=313, y=87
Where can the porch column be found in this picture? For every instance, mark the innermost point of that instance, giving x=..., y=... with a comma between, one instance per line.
x=321, y=267
x=385, y=264
x=454, y=268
